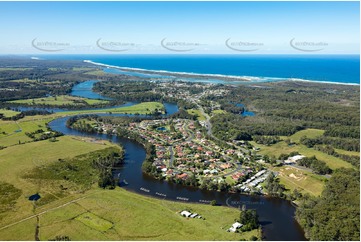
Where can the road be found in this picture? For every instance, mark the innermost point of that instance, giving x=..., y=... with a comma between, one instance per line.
x=171, y=153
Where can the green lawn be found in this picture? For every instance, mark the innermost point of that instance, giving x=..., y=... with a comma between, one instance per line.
x=8, y=113
x=197, y=113
x=59, y=100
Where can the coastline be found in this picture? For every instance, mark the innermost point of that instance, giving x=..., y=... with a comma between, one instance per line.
x=230, y=79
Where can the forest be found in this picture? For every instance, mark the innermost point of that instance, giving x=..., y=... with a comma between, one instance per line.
x=335, y=215
x=283, y=109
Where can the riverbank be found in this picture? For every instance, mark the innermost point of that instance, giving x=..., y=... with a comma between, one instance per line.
x=274, y=214
x=130, y=216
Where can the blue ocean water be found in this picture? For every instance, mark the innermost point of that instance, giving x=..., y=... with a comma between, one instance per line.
x=325, y=68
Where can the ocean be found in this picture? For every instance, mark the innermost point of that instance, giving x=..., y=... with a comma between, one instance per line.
x=322, y=68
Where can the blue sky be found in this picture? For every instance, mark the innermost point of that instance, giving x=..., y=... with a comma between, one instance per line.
x=192, y=27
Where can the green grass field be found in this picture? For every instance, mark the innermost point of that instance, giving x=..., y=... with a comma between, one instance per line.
x=59, y=100
x=14, y=69
x=293, y=178
x=122, y=215
x=97, y=214
x=283, y=148
x=346, y=152
x=8, y=113
x=218, y=111
x=197, y=113
x=94, y=222
x=141, y=108
x=82, y=69
x=97, y=73
x=310, y=133
x=304, y=181
x=17, y=160
x=13, y=132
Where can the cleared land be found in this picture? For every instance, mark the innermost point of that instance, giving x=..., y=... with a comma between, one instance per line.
x=8, y=113
x=59, y=100
x=310, y=133
x=218, y=111
x=17, y=160
x=14, y=69
x=346, y=152
x=197, y=113
x=13, y=132
x=122, y=215
x=141, y=108
x=292, y=177
x=97, y=214
x=304, y=181
x=96, y=72
x=283, y=148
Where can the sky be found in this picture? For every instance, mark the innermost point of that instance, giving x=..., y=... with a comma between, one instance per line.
x=180, y=27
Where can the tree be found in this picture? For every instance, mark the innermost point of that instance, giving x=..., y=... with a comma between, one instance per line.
x=249, y=219
x=335, y=215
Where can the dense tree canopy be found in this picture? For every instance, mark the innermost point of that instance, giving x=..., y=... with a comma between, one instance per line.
x=336, y=214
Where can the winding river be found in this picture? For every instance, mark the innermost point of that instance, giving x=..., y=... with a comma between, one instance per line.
x=276, y=215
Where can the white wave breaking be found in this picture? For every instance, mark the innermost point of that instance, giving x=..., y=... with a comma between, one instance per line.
x=240, y=78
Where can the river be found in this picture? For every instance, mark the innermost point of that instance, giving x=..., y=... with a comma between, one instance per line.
x=276, y=215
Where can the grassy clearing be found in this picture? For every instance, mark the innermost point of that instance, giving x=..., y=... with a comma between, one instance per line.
x=346, y=152
x=8, y=113
x=13, y=132
x=283, y=148
x=17, y=160
x=141, y=108
x=122, y=215
x=82, y=69
x=99, y=214
x=8, y=196
x=310, y=133
x=14, y=69
x=94, y=222
x=218, y=111
x=197, y=113
x=304, y=181
x=25, y=230
x=97, y=73
x=25, y=80
x=60, y=100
